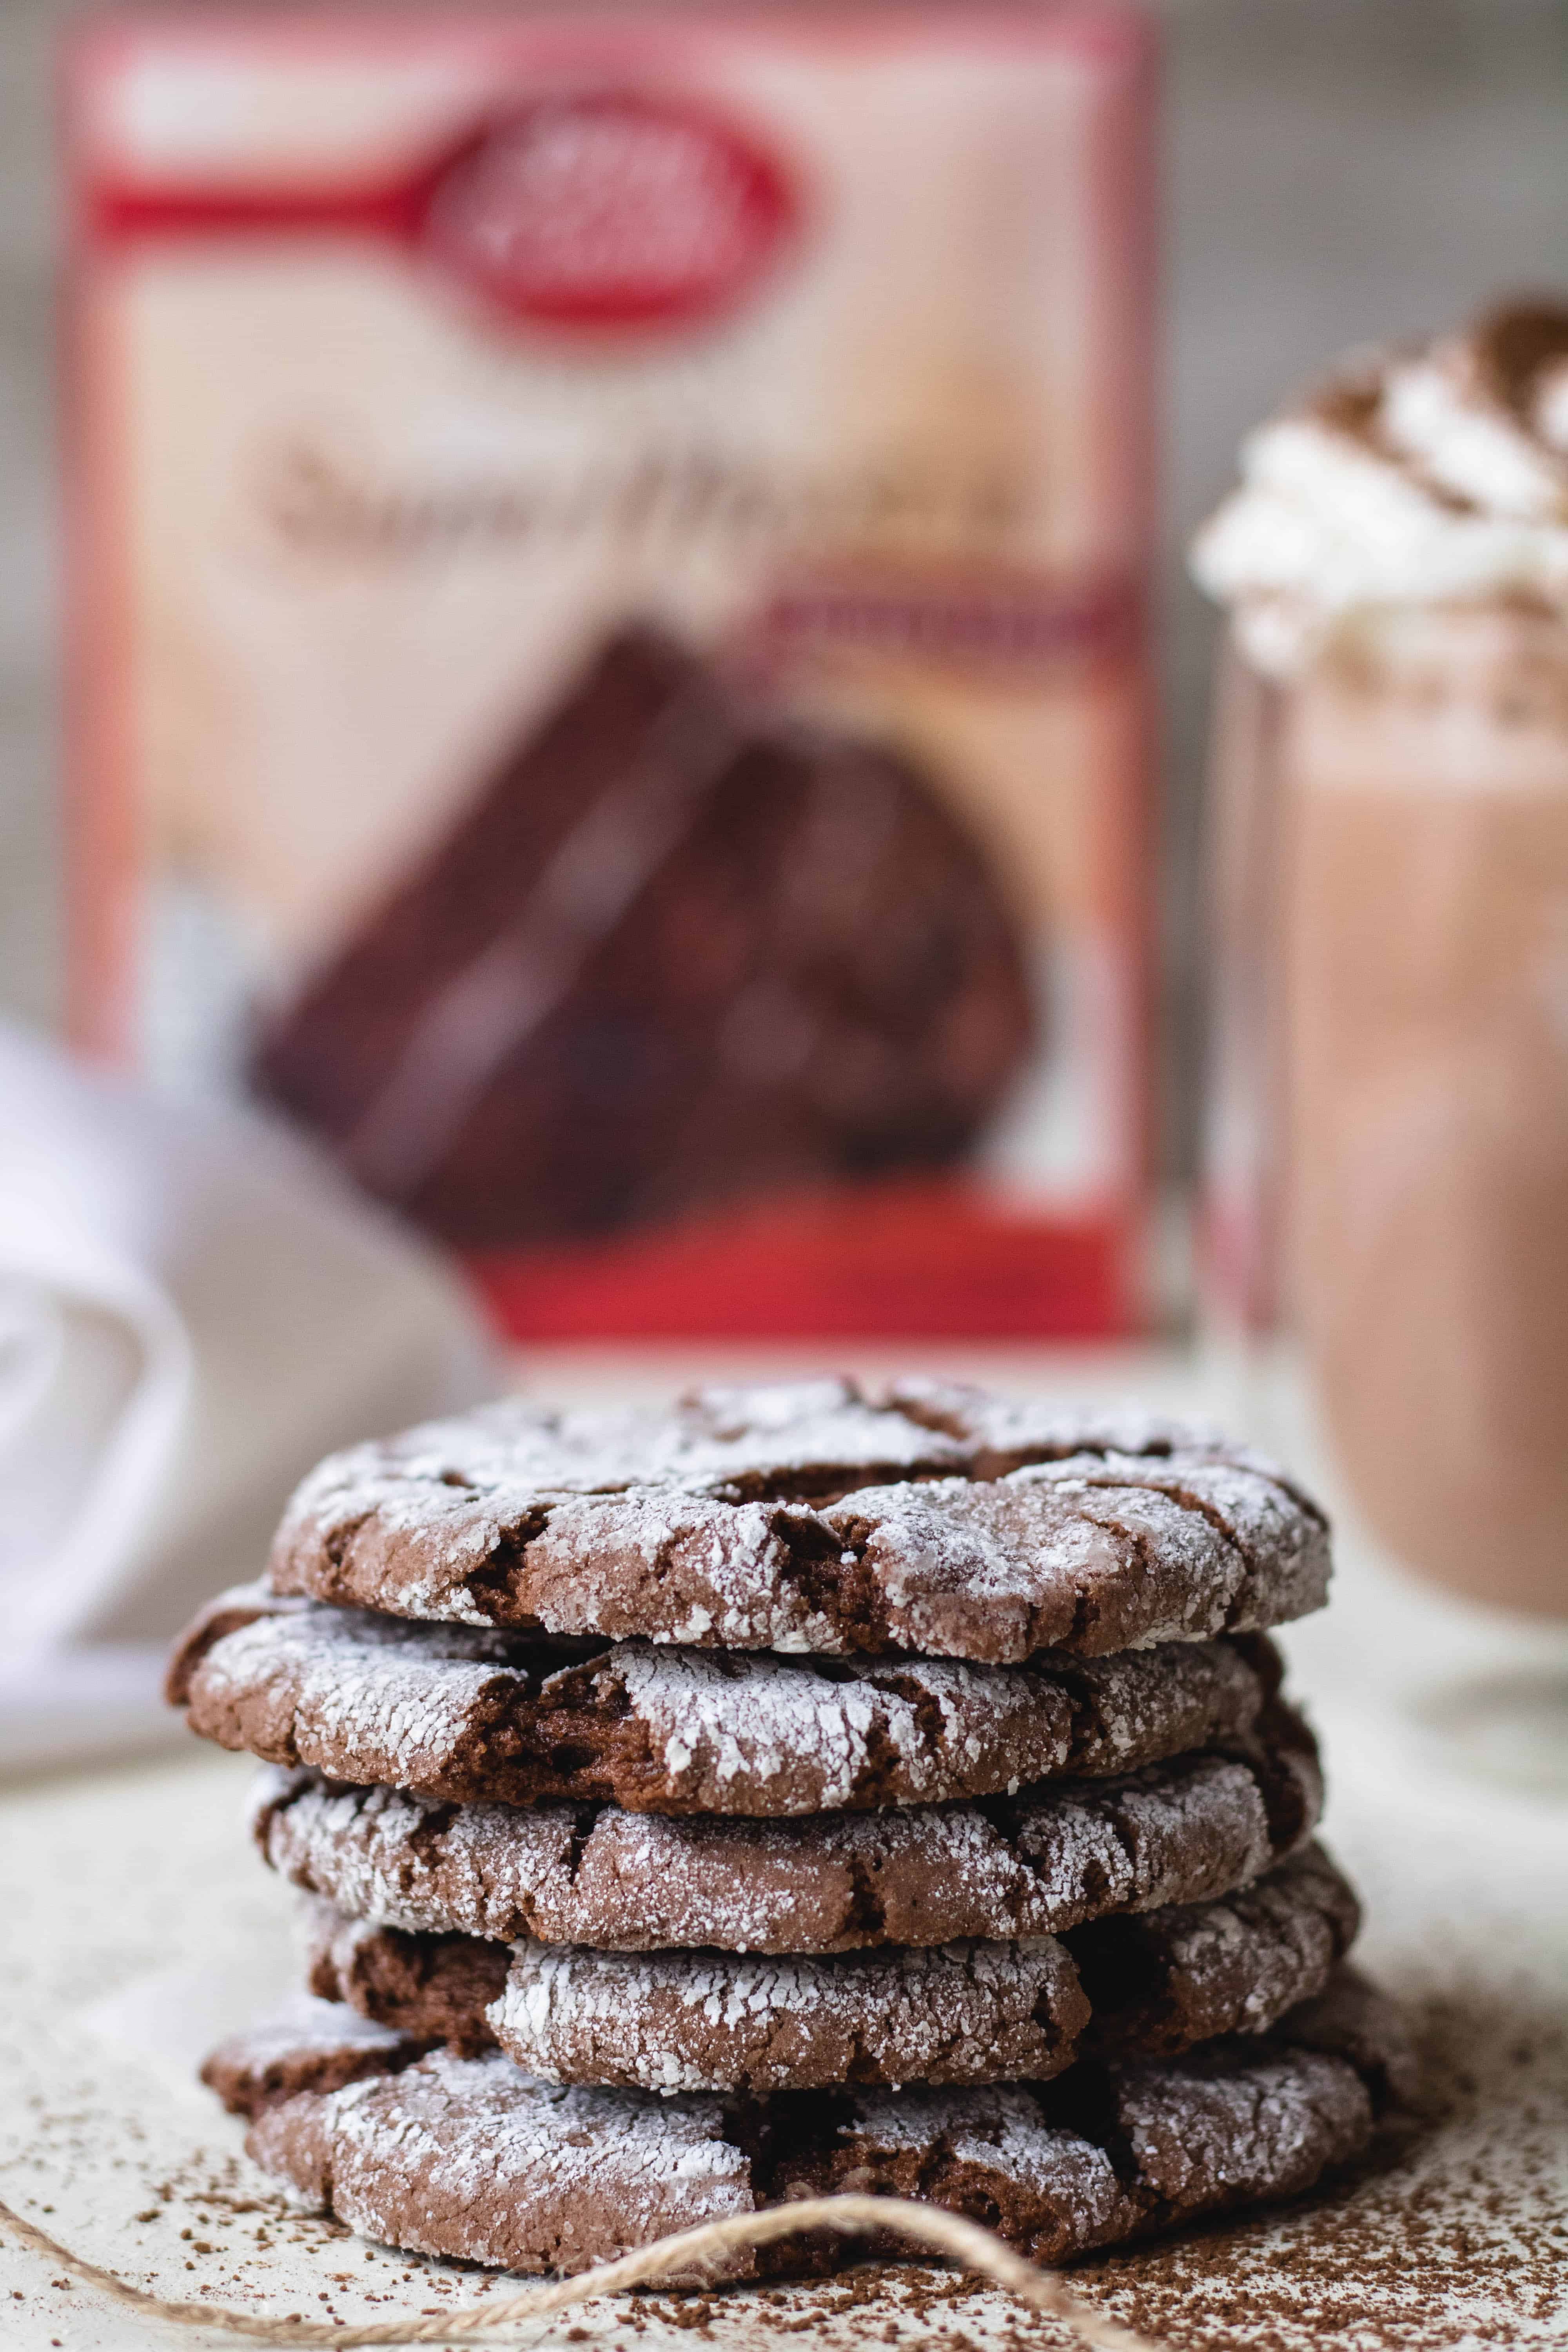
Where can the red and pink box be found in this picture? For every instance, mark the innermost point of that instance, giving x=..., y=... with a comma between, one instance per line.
x=609, y=598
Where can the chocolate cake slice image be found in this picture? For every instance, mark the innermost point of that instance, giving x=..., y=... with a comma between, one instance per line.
x=676, y=953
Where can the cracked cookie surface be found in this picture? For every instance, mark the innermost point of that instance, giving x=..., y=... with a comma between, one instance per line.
x=973, y=2012
x=455, y=1712
x=471, y=2158
x=815, y=1516
x=1179, y=1832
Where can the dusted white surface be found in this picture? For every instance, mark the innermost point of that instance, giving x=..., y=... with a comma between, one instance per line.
x=142, y=1926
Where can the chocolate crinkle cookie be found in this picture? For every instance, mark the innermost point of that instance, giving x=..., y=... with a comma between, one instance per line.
x=472, y=2157
x=1183, y=1830
x=449, y=1711
x=966, y=2011
x=805, y=1789
x=815, y=1516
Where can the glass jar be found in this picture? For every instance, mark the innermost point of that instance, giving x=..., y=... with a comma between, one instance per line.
x=1388, y=1143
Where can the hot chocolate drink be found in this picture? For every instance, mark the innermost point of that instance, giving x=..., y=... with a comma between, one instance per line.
x=1398, y=563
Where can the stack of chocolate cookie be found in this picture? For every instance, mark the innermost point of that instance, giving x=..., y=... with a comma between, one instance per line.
x=803, y=1790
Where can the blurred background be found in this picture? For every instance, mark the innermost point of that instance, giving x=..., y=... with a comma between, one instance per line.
x=1334, y=170
x=1329, y=172
x=542, y=1001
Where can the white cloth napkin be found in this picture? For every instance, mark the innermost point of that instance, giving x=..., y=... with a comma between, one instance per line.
x=194, y=1306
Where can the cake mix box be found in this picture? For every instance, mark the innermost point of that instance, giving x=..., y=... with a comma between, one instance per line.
x=610, y=679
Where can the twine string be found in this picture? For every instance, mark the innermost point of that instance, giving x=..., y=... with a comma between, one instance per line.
x=930, y=2227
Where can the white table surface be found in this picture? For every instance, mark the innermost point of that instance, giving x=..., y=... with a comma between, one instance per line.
x=137, y=1925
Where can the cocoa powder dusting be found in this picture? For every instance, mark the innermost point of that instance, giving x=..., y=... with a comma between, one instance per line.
x=1452, y=2232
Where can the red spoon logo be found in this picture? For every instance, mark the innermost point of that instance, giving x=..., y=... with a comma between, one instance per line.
x=611, y=210
x=599, y=210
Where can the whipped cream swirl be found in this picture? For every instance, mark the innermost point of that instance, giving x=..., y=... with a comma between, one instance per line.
x=1431, y=475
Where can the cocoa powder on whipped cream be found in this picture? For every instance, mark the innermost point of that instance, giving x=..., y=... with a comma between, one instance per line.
x=1437, y=475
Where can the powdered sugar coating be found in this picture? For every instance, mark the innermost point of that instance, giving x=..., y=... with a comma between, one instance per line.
x=467, y=2156
x=994, y=2151
x=1168, y=1978
x=697, y=2021
x=316, y=2031
x=975, y=2011
x=306, y=2044
x=471, y=2158
x=1227, y=2124
x=1179, y=1832
x=814, y=1516
x=452, y=1712
x=1093, y=1554
x=1203, y=2126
